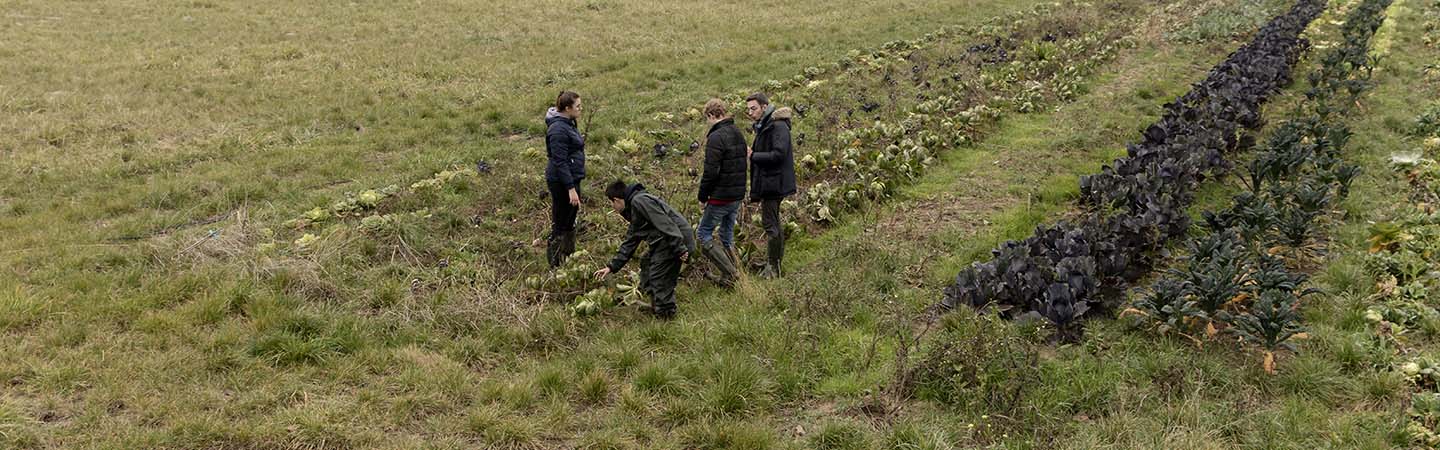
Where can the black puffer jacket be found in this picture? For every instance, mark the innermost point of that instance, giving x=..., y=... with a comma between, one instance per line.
x=724, y=177
x=566, y=149
x=772, y=165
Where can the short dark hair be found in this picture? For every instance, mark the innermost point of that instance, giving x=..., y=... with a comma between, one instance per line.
x=565, y=100
x=616, y=189
x=759, y=97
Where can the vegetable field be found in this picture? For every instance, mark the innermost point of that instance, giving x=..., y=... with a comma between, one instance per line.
x=1020, y=224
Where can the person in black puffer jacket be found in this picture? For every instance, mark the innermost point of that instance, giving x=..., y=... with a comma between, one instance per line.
x=772, y=172
x=564, y=171
x=722, y=189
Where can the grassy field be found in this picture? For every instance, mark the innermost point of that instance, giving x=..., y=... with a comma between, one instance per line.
x=147, y=114
x=157, y=155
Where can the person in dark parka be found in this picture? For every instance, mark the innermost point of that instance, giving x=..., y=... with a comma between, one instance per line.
x=722, y=189
x=664, y=230
x=772, y=172
x=564, y=171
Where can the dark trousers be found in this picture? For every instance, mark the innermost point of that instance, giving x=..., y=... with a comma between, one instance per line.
x=562, y=213
x=774, y=231
x=658, y=277
x=562, y=224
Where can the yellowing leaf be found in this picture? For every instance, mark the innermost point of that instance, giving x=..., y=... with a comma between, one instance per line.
x=1134, y=312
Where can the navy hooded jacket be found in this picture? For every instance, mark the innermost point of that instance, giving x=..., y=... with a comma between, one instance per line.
x=566, y=150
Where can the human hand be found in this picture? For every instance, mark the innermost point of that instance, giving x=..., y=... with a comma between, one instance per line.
x=574, y=197
x=602, y=273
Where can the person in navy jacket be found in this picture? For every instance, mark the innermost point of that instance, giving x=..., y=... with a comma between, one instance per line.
x=564, y=172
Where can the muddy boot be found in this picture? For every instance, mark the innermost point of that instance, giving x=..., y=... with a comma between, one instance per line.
x=552, y=251
x=775, y=253
x=567, y=244
x=559, y=247
x=767, y=273
x=582, y=227
x=725, y=270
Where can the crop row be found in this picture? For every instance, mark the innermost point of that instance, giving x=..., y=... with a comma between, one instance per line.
x=1139, y=202
x=1237, y=280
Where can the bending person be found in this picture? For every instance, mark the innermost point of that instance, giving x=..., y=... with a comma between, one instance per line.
x=664, y=230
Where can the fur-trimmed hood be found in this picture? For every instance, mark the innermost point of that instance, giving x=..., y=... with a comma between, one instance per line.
x=772, y=114
x=782, y=114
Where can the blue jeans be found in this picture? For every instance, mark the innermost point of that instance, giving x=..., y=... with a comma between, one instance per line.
x=724, y=216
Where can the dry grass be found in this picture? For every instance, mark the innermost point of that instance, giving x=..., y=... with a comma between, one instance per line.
x=130, y=130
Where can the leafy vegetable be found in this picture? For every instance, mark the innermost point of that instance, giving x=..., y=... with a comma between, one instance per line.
x=1271, y=323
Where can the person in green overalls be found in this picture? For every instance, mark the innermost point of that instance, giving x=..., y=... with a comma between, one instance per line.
x=664, y=230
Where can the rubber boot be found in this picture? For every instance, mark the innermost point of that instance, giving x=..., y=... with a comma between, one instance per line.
x=559, y=247
x=731, y=253
x=567, y=241
x=553, y=252
x=734, y=256
x=721, y=262
x=775, y=253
